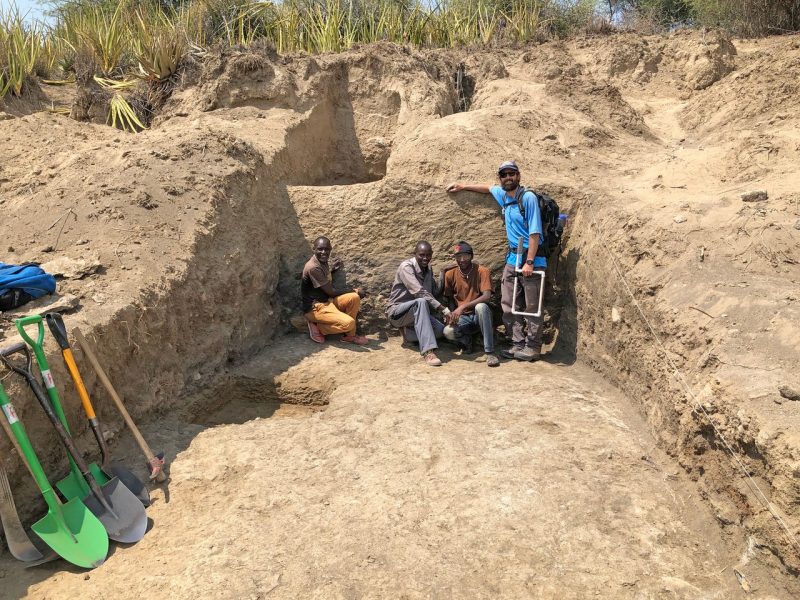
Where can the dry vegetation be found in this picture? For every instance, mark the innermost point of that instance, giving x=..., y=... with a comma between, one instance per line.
x=120, y=44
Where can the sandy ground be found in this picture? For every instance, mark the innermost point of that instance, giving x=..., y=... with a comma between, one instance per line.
x=529, y=480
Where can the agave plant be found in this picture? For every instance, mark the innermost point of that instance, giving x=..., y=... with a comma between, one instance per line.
x=159, y=44
x=20, y=45
x=102, y=31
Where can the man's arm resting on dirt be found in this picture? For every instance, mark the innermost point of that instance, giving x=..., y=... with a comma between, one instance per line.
x=480, y=188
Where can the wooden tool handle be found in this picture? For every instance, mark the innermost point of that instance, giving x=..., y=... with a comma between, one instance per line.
x=76, y=333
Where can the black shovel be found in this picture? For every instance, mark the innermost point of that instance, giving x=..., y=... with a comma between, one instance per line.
x=120, y=512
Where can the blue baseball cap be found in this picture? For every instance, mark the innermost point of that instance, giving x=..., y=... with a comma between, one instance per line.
x=508, y=165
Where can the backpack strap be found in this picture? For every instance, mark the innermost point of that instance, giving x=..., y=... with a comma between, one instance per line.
x=518, y=201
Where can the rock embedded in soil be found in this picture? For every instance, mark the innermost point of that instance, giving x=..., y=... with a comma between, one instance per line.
x=789, y=393
x=755, y=196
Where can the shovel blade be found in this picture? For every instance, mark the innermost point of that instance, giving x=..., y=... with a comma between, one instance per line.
x=18, y=541
x=132, y=482
x=74, y=485
x=126, y=522
x=76, y=535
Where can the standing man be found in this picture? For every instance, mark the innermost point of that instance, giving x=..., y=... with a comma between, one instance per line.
x=522, y=218
x=411, y=302
x=469, y=286
x=328, y=310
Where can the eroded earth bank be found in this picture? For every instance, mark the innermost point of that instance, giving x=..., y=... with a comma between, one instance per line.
x=592, y=473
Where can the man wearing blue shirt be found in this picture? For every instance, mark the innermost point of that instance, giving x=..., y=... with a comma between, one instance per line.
x=509, y=195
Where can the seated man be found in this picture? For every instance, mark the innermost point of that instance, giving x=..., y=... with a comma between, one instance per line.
x=327, y=310
x=469, y=287
x=411, y=301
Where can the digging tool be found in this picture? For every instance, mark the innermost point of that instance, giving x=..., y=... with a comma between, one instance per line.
x=517, y=275
x=56, y=324
x=19, y=543
x=70, y=529
x=155, y=462
x=120, y=512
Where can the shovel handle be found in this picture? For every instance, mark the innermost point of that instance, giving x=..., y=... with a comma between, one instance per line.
x=152, y=459
x=21, y=323
x=73, y=451
x=24, y=444
x=56, y=324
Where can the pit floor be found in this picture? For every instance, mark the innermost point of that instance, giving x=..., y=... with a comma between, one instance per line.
x=523, y=481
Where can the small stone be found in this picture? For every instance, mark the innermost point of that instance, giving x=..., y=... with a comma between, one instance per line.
x=680, y=218
x=81, y=242
x=86, y=577
x=47, y=249
x=797, y=224
x=616, y=315
x=754, y=196
x=11, y=248
x=789, y=393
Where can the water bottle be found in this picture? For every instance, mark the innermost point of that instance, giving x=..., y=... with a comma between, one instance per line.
x=562, y=222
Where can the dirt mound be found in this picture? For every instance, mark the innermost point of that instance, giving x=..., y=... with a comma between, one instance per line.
x=684, y=61
x=762, y=93
x=200, y=225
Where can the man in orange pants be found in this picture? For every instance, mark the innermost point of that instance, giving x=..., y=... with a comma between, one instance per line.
x=328, y=311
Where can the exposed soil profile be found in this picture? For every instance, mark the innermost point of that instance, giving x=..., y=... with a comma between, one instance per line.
x=300, y=470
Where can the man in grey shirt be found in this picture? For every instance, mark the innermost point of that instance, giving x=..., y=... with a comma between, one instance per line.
x=411, y=301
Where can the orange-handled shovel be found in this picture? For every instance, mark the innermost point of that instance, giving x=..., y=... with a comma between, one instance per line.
x=155, y=462
x=56, y=324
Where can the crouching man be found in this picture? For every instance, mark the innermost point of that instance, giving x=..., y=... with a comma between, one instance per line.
x=328, y=311
x=468, y=286
x=411, y=303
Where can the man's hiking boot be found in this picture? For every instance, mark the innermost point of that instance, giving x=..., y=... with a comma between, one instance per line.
x=492, y=360
x=527, y=354
x=431, y=359
x=359, y=340
x=512, y=352
x=315, y=334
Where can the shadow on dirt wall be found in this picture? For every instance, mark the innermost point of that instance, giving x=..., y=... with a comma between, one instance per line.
x=562, y=305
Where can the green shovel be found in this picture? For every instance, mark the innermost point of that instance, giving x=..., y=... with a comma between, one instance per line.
x=73, y=485
x=115, y=505
x=70, y=529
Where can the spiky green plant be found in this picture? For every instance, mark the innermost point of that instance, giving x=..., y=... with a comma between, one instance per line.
x=20, y=46
x=103, y=31
x=159, y=44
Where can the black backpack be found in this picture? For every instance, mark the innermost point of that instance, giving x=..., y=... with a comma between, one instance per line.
x=552, y=228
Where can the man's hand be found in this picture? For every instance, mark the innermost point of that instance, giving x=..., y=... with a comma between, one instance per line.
x=527, y=270
x=454, y=187
x=456, y=315
x=335, y=263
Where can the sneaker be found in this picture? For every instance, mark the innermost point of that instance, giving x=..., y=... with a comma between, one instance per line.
x=511, y=352
x=315, y=334
x=359, y=340
x=527, y=354
x=492, y=360
x=431, y=359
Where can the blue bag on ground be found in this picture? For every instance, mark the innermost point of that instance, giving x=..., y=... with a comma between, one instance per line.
x=22, y=283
